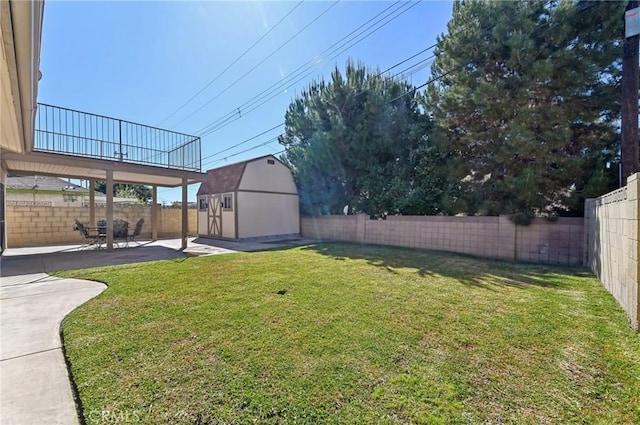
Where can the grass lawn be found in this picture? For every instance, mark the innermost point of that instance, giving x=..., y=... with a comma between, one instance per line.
x=363, y=335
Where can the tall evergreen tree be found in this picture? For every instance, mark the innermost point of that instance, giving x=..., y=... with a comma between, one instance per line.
x=357, y=141
x=528, y=102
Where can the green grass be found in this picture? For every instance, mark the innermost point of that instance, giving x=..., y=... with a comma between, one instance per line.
x=364, y=335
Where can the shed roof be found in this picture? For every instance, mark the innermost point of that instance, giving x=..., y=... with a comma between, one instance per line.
x=223, y=179
x=227, y=178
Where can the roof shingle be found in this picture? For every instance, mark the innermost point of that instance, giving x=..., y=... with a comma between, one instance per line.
x=223, y=179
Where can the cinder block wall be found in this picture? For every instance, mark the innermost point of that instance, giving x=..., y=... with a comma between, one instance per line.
x=47, y=225
x=170, y=222
x=556, y=242
x=611, y=238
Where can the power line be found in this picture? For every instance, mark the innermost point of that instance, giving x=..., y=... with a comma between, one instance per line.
x=297, y=72
x=409, y=58
x=456, y=68
x=418, y=66
x=421, y=64
x=232, y=63
x=275, y=89
x=267, y=131
x=429, y=81
x=427, y=60
x=274, y=139
x=243, y=142
x=221, y=124
x=258, y=64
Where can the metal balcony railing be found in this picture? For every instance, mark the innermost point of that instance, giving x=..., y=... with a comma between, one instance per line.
x=69, y=132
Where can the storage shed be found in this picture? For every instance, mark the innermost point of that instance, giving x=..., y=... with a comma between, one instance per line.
x=251, y=199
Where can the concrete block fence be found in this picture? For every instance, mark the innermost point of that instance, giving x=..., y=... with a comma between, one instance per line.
x=549, y=242
x=612, y=235
x=49, y=225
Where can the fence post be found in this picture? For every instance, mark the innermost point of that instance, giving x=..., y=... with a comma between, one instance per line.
x=361, y=228
x=506, y=238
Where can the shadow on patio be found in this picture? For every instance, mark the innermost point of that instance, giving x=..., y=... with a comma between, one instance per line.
x=70, y=259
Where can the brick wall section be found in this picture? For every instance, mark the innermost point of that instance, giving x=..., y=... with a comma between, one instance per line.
x=611, y=231
x=170, y=222
x=42, y=225
x=556, y=242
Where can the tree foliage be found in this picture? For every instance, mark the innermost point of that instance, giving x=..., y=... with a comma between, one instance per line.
x=521, y=119
x=528, y=102
x=140, y=192
x=358, y=140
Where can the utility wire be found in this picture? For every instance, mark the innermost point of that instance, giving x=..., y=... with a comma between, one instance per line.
x=457, y=68
x=247, y=150
x=412, y=91
x=273, y=94
x=421, y=63
x=276, y=138
x=235, y=115
x=409, y=58
x=297, y=72
x=429, y=81
x=276, y=89
x=258, y=64
x=243, y=142
x=232, y=64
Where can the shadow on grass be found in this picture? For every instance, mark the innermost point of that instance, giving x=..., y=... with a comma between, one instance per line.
x=470, y=270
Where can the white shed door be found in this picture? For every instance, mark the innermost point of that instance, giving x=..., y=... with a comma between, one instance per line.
x=214, y=215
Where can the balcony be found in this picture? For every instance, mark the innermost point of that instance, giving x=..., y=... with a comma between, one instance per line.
x=75, y=133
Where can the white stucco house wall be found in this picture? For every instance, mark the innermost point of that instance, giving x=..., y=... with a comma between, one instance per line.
x=257, y=198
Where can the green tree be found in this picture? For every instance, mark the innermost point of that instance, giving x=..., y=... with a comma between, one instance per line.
x=357, y=140
x=527, y=101
x=123, y=190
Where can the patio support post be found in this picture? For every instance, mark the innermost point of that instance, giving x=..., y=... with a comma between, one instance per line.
x=154, y=212
x=92, y=202
x=109, y=216
x=185, y=217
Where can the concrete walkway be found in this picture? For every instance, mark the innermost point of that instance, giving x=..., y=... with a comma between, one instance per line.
x=34, y=387
x=34, y=382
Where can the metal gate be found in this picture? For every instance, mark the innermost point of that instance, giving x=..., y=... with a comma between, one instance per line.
x=214, y=215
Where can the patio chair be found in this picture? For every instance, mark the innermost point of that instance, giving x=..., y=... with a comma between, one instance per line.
x=95, y=238
x=120, y=230
x=136, y=232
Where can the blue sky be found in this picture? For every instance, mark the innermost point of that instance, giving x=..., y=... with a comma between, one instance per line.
x=141, y=61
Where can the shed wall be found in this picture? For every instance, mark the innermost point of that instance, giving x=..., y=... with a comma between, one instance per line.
x=261, y=176
x=229, y=223
x=267, y=214
x=202, y=219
